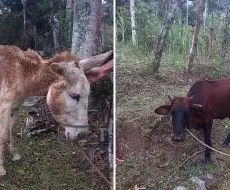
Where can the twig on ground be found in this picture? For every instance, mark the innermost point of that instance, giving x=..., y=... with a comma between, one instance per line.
x=181, y=166
x=95, y=167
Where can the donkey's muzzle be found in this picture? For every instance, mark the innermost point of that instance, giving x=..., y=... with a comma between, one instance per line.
x=76, y=132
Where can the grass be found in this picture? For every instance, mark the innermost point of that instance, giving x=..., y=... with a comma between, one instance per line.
x=49, y=162
x=143, y=138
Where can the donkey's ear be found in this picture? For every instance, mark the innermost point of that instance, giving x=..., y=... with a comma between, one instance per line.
x=58, y=69
x=163, y=110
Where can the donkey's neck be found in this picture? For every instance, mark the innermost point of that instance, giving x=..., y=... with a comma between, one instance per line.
x=39, y=81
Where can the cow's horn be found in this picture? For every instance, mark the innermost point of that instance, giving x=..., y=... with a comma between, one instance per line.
x=170, y=98
x=191, y=97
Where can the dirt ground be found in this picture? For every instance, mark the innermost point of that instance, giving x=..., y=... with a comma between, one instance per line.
x=49, y=162
x=143, y=138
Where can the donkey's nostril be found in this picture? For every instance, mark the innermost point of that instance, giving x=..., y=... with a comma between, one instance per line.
x=82, y=135
x=70, y=137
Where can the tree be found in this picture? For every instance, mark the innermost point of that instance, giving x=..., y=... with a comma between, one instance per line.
x=164, y=33
x=195, y=37
x=187, y=8
x=86, y=35
x=225, y=36
x=205, y=12
x=132, y=13
x=211, y=39
x=54, y=22
x=69, y=18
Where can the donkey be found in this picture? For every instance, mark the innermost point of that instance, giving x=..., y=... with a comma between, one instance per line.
x=62, y=78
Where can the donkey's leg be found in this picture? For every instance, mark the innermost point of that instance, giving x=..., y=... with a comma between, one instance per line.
x=13, y=131
x=4, y=134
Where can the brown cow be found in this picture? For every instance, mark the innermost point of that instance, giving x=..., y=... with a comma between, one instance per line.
x=205, y=101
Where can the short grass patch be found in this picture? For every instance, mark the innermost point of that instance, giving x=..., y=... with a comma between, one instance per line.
x=143, y=138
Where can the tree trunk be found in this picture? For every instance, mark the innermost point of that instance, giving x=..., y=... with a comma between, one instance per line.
x=121, y=24
x=187, y=6
x=86, y=38
x=69, y=19
x=205, y=11
x=24, y=16
x=195, y=38
x=54, y=22
x=132, y=12
x=224, y=42
x=210, y=44
x=164, y=33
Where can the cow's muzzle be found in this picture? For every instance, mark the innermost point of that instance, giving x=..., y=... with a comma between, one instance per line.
x=177, y=137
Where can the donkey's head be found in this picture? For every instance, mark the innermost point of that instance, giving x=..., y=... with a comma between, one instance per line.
x=68, y=97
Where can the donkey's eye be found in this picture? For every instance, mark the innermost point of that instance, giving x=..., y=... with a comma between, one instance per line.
x=75, y=96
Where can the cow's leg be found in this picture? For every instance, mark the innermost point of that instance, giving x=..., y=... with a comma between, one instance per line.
x=4, y=134
x=207, y=141
x=227, y=140
x=13, y=131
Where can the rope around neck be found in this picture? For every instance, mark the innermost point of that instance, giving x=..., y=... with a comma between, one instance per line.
x=207, y=145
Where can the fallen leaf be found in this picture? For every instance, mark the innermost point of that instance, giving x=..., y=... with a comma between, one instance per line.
x=21, y=171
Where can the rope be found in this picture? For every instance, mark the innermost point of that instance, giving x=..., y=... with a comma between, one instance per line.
x=225, y=154
x=95, y=167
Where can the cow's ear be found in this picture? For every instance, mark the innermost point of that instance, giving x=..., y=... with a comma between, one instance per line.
x=163, y=110
x=196, y=107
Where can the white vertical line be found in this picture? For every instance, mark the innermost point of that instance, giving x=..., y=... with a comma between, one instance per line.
x=114, y=95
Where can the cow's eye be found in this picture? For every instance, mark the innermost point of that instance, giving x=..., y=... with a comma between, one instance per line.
x=75, y=96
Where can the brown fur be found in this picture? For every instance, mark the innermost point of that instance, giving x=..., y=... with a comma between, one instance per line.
x=24, y=74
x=64, y=56
x=206, y=100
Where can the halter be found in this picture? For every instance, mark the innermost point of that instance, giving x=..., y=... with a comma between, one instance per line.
x=76, y=126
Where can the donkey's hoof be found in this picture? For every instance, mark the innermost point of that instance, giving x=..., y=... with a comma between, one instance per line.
x=2, y=177
x=16, y=157
x=2, y=174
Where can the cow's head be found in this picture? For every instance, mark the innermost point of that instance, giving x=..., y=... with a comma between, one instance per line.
x=180, y=108
x=68, y=97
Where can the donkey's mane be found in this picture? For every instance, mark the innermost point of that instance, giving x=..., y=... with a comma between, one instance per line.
x=62, y=57
x=59, y=57
x=31, y=57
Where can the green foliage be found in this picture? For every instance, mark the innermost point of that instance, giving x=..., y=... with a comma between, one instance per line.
x=149, y=17
x=38, y=33
x=123, y=25
x=217, y=70
x=179, y=64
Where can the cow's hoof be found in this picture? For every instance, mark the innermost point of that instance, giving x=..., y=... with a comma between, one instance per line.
x=227, y=141
x=16, y=157
x=225, y=144
x=2, y=177
x=206, y=161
